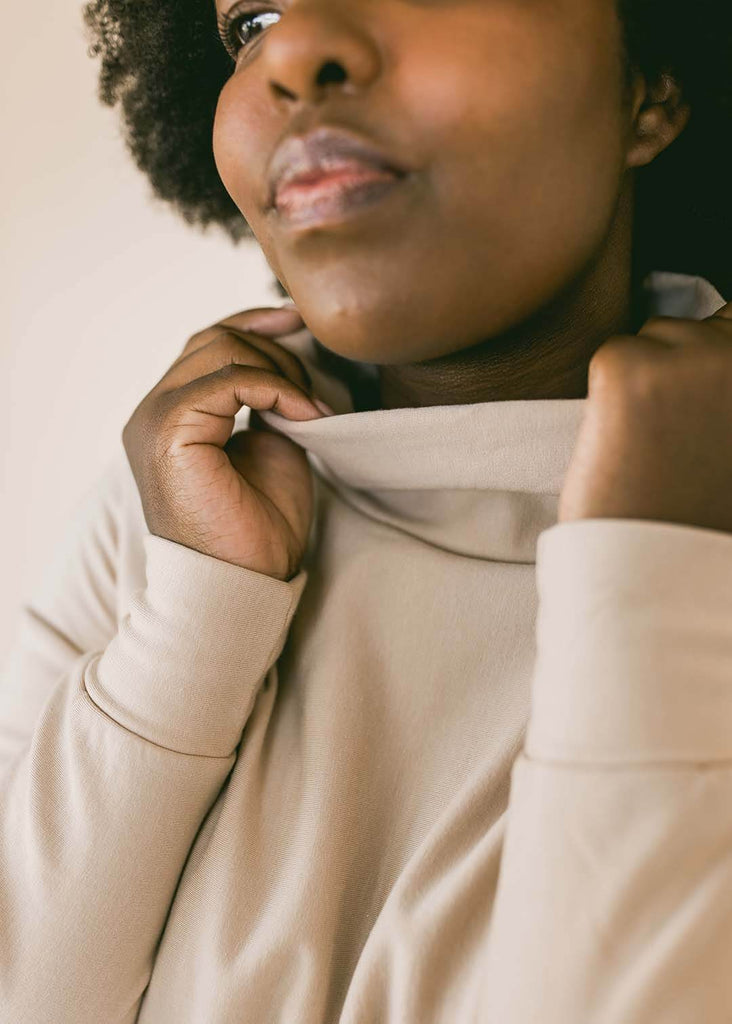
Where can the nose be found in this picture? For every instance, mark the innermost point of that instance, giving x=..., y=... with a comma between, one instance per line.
x=314, y=48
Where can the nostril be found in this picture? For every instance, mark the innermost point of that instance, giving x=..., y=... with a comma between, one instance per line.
x=331, y=71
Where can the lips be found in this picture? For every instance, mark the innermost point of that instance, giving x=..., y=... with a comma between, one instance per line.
x=323, y=153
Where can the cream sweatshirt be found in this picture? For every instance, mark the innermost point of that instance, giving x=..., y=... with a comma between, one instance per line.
x=469, y=766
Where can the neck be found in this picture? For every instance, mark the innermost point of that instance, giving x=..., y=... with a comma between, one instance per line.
x=546, y=355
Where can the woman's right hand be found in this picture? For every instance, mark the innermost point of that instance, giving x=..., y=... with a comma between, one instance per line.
x=247, y=498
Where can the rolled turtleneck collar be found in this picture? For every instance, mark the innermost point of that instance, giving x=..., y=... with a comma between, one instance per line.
x=481, y=479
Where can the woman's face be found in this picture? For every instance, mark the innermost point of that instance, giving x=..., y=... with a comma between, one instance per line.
x=509, y=114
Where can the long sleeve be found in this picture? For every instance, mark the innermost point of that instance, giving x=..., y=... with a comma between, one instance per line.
x=136, y=729
x=614, y=900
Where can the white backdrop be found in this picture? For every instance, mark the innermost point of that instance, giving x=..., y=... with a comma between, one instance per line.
x=101, y=285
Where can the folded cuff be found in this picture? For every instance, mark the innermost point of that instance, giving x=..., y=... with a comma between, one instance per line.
x=185, y=665
x=634, y=643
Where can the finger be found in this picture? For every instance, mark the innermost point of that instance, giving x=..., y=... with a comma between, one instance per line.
x=203, y=410
x=669, y=330
x=224, y=349
x=268, y=319
x=675, y=331
x=229, y=347
x=289, y=363
x=272, y=321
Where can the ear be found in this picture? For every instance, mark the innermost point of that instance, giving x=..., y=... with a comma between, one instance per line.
x=659, y=115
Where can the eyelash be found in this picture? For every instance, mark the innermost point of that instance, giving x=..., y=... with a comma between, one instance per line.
x=227, y=25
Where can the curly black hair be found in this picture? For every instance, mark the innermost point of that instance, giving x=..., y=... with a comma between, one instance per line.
x=162, y=61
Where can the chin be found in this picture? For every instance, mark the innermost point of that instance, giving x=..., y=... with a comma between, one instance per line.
x=384, y=332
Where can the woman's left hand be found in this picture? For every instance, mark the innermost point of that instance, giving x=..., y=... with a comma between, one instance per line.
x=656, y=440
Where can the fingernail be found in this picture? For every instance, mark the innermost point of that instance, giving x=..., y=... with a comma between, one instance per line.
x=276, y=311
x=285, y=309
x=279, y=319
x=323, y=407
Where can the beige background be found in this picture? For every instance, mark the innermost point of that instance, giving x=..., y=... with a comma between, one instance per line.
x=101, y=286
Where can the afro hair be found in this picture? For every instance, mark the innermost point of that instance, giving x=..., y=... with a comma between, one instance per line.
x=162, y=61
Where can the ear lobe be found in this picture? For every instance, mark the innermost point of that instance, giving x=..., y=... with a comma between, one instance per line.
x=660, y=114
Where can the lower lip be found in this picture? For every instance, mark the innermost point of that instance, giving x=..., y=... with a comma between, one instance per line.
x=334, y=197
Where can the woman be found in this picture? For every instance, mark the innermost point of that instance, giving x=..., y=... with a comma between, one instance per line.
x=418, y=712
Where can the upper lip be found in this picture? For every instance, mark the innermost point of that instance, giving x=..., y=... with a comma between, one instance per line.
x=321, y=151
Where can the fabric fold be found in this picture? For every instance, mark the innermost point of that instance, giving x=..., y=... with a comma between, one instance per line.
x=184, y=667
x=634, y=643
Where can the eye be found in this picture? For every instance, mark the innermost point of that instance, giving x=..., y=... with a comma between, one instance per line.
x=237, y=30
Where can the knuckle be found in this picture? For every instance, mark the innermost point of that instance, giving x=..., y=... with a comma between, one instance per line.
x=230, y=349
x=196, y=336
x=269, y=352
x=644, y=381
x=232, y=370
x=212, y=342
x=664, y=327
x=623, y=367
x=269, y=347
x=219, y=333
x=233, y=349
x=248, y=374
x=226, y=343
x=204, y=337
x=654, y=322
x=194, y=341
x=610, y=358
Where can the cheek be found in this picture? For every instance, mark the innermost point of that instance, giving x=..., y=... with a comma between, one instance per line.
x=539, y=147
x=222, y=138
x=235, y=131
x=242, y=142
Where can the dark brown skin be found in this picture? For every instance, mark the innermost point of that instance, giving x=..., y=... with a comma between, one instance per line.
x=654, y=442
x=499, y=269
x=504, y=260
x=245, y=498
